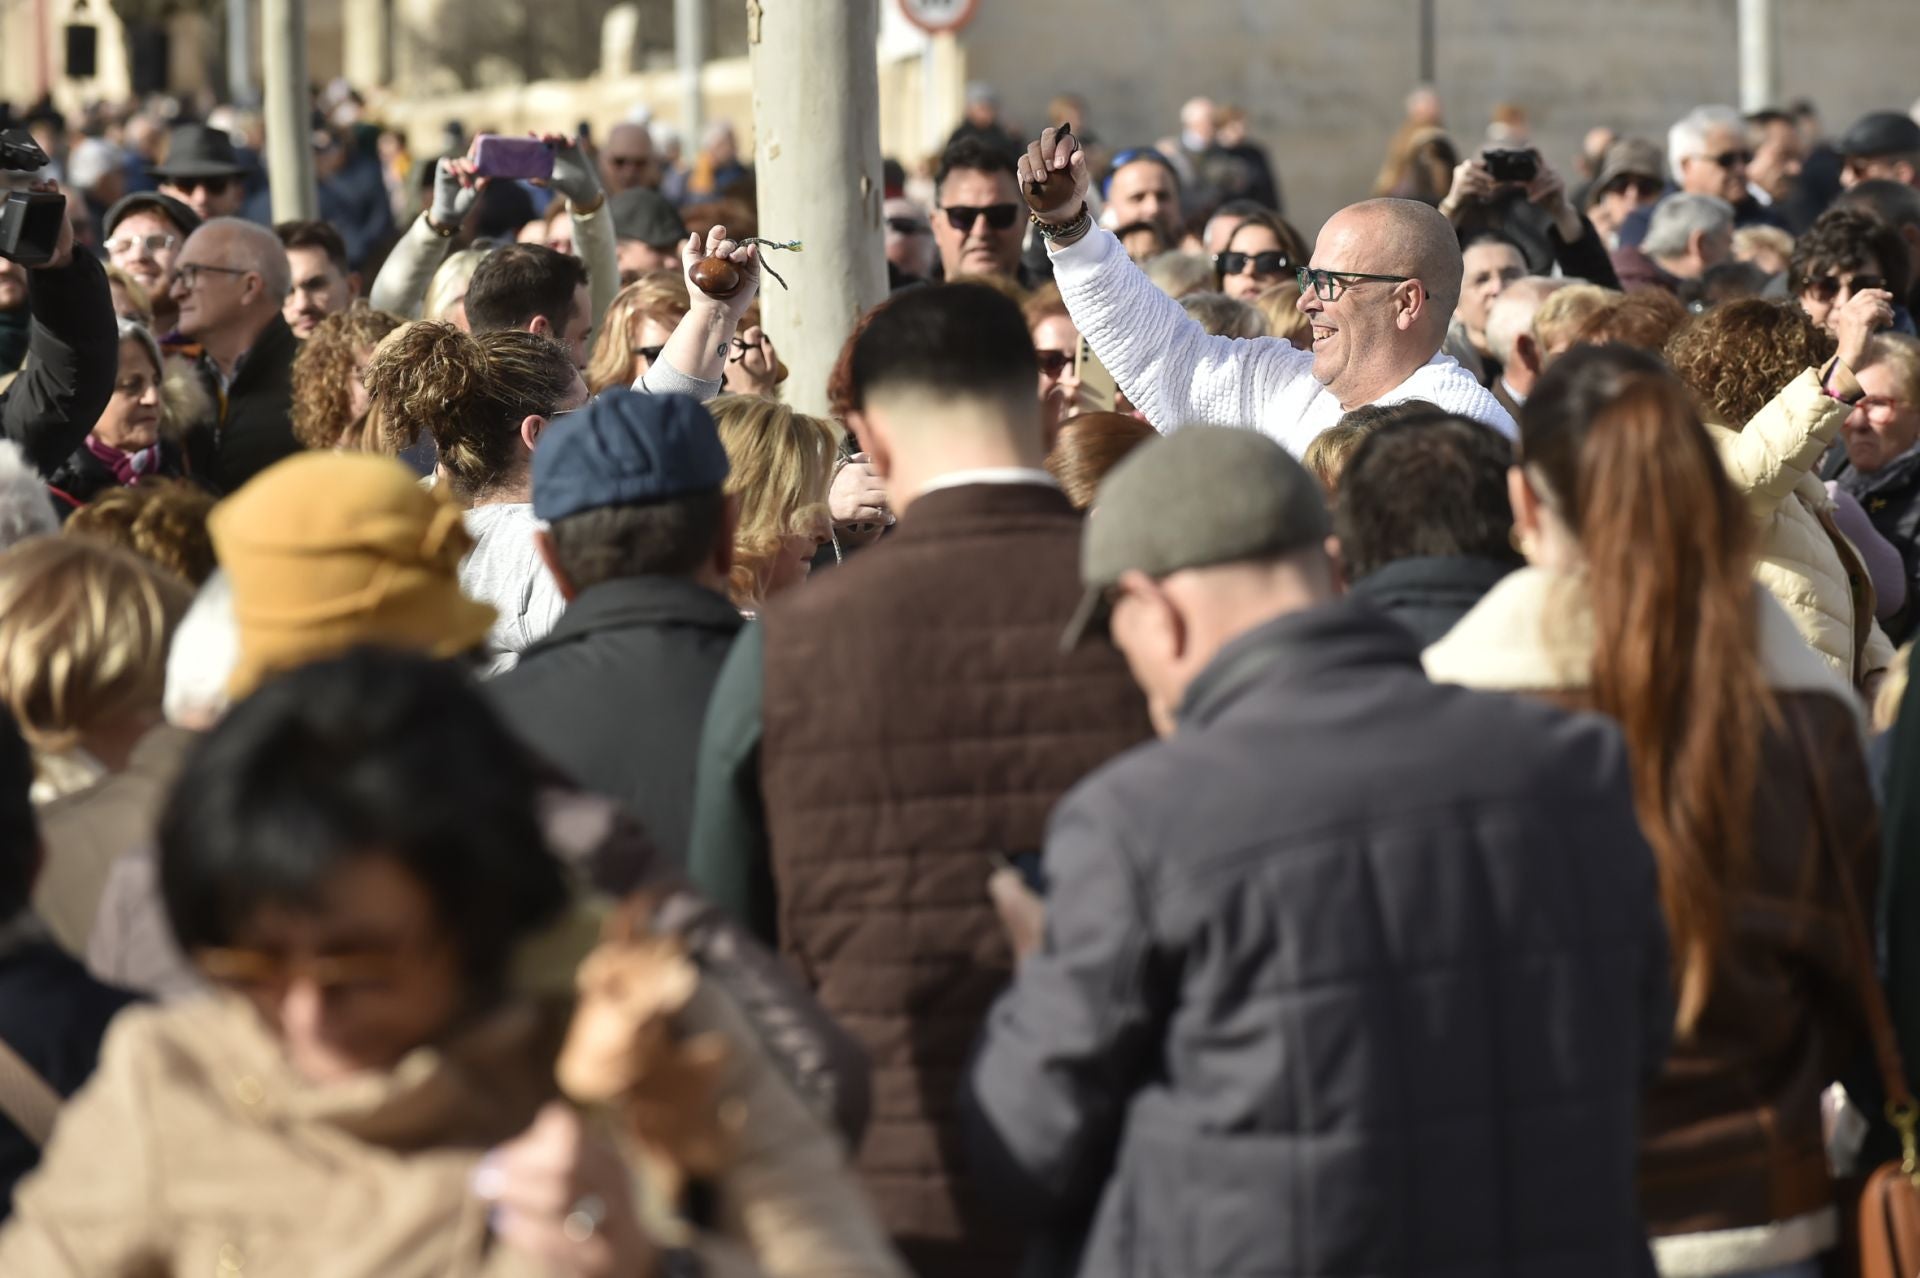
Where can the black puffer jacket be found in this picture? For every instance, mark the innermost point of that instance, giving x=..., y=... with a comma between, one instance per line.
x=1336, y=980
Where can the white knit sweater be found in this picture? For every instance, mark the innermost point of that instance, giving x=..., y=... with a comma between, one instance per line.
x=1179, y=375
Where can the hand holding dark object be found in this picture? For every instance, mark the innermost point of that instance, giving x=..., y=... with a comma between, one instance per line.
x=1512, y=167
x=455, y=190
x=1471, y=182
x=573, y=175
x=1549, y=190
x=1056, y=155
x=753, y=367
x=1056, y=185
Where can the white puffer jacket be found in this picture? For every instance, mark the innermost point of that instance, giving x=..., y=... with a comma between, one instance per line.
x=1807, y=564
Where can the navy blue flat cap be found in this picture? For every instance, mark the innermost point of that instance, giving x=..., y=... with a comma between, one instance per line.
x=626, y=449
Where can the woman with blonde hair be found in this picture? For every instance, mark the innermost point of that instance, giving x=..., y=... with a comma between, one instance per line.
x=447, y=292
x=329, y=390
x=782, y=468
x=1281, y=305
x=636, y=328
x=641, y=322
x=84, y=629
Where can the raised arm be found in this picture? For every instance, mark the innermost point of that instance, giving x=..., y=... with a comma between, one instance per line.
x=72, y=357
x=1171, y=368
x=401, y=286
x=1785, y=439
x=694, y=360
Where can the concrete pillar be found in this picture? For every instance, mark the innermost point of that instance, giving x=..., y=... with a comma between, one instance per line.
x=1759, y=55
x=816, y=95
x=689, y=56
x=620, y=42
x=283, y=32
x=240, y=51
x=367, y=43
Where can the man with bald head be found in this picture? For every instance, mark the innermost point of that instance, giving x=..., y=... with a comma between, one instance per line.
x=230, y=283
x=627, y=161
x=1381, y=290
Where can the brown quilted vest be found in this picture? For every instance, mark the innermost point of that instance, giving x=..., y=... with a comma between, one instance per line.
x=919, y=718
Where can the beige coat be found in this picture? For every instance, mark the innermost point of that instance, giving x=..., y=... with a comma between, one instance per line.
x=1808, y=565
x=195, y=1150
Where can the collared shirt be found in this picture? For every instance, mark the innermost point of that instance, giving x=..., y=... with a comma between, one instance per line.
x=1512, y=394
x=991, y=475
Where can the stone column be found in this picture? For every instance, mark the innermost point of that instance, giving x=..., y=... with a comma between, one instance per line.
x=816, y=95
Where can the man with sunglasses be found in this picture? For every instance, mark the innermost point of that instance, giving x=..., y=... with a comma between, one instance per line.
x=1380, y=291
x=202, y=171
x=980, y=223
x=1708, y=154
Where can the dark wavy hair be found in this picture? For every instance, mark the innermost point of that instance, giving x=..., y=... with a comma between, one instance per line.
x=373, y=753
x=1844, y=239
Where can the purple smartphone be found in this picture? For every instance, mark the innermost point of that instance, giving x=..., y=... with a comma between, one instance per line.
x=495, y=156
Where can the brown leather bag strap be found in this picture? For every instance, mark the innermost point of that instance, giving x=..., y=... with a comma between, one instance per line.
x=25, y=1097
x=1873, y=998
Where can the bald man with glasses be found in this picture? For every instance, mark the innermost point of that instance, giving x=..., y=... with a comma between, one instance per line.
x=1380, y=291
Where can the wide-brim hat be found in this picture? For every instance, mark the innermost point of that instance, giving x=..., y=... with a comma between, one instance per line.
x=198, y=151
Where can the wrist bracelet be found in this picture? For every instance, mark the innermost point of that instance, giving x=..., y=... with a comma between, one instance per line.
x=1053, y=231
x=1826, y=378
x=445, y=233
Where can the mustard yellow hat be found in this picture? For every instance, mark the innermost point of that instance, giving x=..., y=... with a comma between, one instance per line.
x=327, y=551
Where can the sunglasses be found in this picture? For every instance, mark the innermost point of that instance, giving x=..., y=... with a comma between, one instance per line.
x=1828, y=287
x=1273, y=262
x=120, y=245
x=1329, y=285
x=649, y=353
x=263, y=975
x=1731, y=159
x=1054, y=363
x=913, y=226
x=215, y=186
x=999, y=216
x=1636, y=186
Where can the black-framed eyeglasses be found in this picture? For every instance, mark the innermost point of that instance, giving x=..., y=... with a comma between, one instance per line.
x=1054, y=363
x=961, y=217
x=1732, y=159
x=1827, y=287
x=649, y=353
x=1272, y=262
x=1329, y=285
x=911, y=226
x=188, y=273
x=148, y=244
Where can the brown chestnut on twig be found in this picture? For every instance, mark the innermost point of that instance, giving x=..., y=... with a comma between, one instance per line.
x=722, y=277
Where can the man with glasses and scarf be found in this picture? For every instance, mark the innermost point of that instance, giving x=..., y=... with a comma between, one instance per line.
x=1380, y=290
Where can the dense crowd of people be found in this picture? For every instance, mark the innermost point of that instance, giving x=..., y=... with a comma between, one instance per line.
x=1232, y=748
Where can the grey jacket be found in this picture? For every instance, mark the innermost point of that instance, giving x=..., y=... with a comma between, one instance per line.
x=1354, y=975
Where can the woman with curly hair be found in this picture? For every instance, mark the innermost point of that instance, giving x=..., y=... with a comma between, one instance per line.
x=137, y=435
x=782, y=468
x=1776, y=391
x=329, y=394
x=1844, y=253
